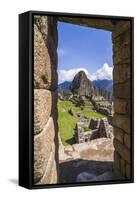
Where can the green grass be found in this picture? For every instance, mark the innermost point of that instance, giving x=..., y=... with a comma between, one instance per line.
x=67, y=122
x=88, y=113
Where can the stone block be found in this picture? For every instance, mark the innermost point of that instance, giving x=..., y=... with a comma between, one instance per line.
x=122, y=54
x=121, y=29
x=122, y=150
x=116, y=160
x=122, y=122
x=47, y=25
x=42, y=108
x=128, y=171
x=122, y=90
x=96, y=23
x=45, y=73
x=50, y=174
x=127, y=140
x=42, y=23
x=48, y=28
x=120, y=106
x=43, y=143
x=119, y=134
x=121, y=73
x=54, y=175
x=123, y=167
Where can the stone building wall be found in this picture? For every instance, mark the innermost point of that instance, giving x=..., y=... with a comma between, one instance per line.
x=122, y=95
x=45, y=100
x=105, y=129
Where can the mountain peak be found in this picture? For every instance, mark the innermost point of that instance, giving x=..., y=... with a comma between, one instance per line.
x=81, y=85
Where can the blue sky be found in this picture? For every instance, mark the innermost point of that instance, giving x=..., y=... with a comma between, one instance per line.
x=84, y=48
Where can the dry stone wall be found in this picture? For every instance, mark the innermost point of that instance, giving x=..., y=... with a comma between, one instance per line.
x=121, y=77
x=45, y=101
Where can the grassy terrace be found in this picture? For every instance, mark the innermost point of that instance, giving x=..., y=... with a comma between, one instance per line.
x=67, y=122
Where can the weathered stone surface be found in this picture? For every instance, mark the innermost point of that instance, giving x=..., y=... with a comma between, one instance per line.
x=122, y=90
x=42, y=108
x=45, y=74
x=116, y=160
x=122, y=122
x=120, y=28
x=120, y=106
x=119, y=134
x=42, y=148
x=100, y=149
x=122, y=150
x=47, y=25
x=105, y=129
x=121, y=73
x=96, y=23
x=48, y=28
x=42, y=23
x=128, y=171
x=121, y=55
x=123, y=167
x=54, y=175
x=127, y=140
x=50, y=174
x=121, y=41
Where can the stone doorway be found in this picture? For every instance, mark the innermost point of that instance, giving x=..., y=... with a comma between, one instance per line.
x=45, y=93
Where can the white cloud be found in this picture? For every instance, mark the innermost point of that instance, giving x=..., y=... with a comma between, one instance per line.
x=105, y=72
x=68, y=75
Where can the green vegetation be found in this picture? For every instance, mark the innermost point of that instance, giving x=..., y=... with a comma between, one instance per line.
x=67, y=122
x=88, y=113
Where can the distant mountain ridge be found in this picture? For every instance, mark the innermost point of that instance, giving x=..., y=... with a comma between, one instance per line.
x=66, y=85
x=82, y=86
x=102, y=84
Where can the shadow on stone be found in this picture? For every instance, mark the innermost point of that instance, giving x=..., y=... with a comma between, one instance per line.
x=81, y=167
x=71, y=141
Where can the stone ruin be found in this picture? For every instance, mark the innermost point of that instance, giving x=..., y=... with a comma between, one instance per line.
x=105, y=129
x=96, y=128
x=45, y=87
x=104, y=108
x=81, y=135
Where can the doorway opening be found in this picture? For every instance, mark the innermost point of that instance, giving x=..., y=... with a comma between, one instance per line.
x=85, y=102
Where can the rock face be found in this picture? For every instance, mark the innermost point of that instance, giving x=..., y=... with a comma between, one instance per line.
x=81, y=85
x=45, y=101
